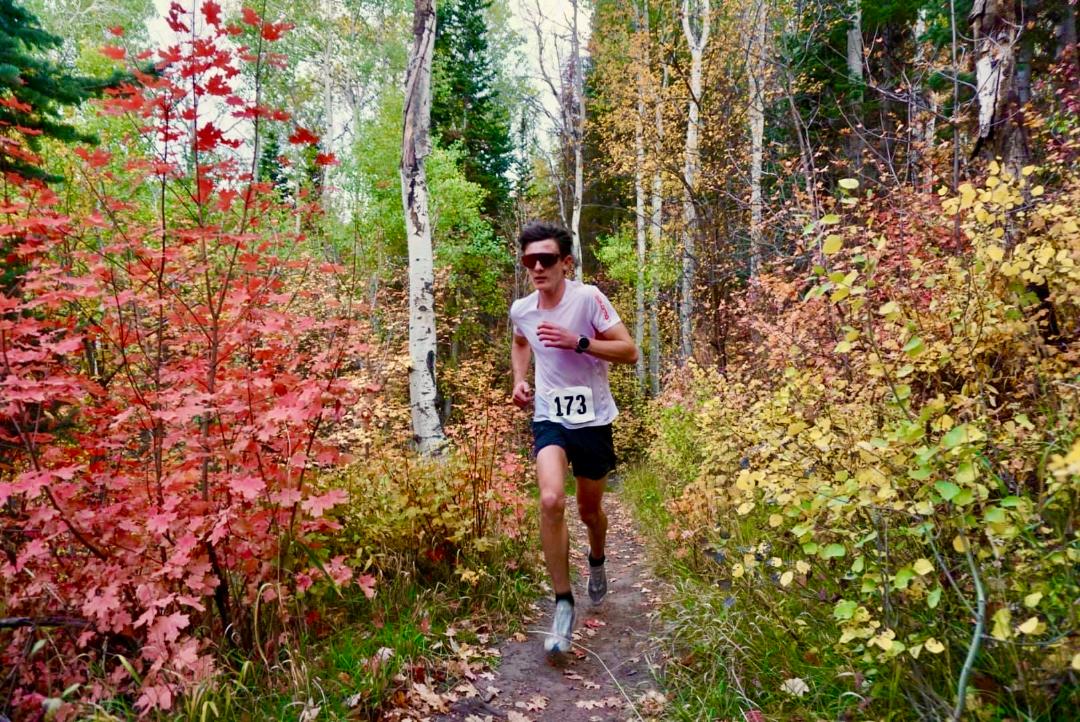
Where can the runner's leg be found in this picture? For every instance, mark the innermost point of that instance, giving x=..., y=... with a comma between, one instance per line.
x=590, y=493
x=551, y=468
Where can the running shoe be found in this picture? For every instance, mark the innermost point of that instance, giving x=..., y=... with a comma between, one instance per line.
x=562, y=628
x=597, y=583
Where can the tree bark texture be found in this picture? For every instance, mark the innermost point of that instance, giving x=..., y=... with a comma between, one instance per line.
x=578, y=134
x=696, y=42
x=415, y=146
x=656, y=228
x=996, y=33
x=855, y=75
x=756, y=72
x=642, y=23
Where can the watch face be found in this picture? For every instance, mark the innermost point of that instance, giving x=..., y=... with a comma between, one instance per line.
x=583, y=343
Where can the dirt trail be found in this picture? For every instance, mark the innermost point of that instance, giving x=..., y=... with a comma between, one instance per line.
x=612, y=645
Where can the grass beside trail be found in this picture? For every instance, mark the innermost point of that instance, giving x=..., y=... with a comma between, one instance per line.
x=348, y=650
x=729, y=654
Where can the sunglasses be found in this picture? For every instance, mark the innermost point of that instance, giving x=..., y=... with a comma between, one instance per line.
x=547, y=260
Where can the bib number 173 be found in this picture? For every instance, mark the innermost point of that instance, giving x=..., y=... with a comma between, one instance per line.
x=573, y=404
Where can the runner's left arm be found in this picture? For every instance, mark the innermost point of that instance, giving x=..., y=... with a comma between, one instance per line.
x=614, y=345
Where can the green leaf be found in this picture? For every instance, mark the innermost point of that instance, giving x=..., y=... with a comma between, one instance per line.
x=947, y=489
x=830, y=220
x=965, y=497
x=848, y=183
x=914, y=347
x=844, y=609
x=832, y=551
x=995, y=515
x=903, y=578
x=933, y=598
x=965, y=473
x=956, y=436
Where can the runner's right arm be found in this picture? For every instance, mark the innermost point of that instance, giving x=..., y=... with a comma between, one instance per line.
x=520, y=356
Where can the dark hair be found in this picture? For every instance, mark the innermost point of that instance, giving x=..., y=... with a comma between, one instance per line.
x=540, y=231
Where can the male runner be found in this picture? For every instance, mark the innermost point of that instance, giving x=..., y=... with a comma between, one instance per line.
x=574, y=332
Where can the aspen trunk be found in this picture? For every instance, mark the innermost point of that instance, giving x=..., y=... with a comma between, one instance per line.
x=642, y=23
x=415, y=146
x=578, y=134
x=855, y=75
x=656, y=228
x=696, y=42
x=996, y=33
x=756, y=68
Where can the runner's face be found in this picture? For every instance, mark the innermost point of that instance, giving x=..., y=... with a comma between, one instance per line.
x=547, y=279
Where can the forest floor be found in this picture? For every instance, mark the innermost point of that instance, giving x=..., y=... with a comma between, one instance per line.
x=609, y=674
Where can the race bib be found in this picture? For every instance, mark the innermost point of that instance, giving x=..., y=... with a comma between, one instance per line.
x=573, y=404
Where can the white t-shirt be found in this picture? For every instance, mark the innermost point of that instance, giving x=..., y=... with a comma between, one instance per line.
x=570, y=388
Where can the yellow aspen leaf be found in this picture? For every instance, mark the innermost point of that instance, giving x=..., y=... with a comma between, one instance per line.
x=1076, y=662
x=786, y=578
x=887, y=308
x=1030, y=626
x=959, y=544
x=745, y=508
x=848, y=183
x=775, y=520
x=933, y=646
x=830, y=219
x=833, y=243
x=1037, y=191
x=737, y=571
x=995, y=253
x=1032, y=600
x=922, y=567
x=802, y=567
x=1027, y=170
x=1001, y=629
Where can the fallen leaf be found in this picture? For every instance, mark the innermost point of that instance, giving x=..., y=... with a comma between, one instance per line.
x=795, y=686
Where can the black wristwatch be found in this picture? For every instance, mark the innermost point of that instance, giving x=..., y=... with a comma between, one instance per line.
x=582, y=344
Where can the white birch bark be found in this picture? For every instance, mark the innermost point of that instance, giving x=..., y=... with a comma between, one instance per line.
x=996, y=32
x=696, y=42
x=642, y=23
x=415, y=146
x=756, y=71
x=578, y=135
x=656, y=228
x=855, y=73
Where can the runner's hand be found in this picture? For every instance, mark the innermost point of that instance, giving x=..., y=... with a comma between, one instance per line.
x=555, y=336
x=523, y=394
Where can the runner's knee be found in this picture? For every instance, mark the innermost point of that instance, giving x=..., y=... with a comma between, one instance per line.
x=590, y=514
x=552, y=503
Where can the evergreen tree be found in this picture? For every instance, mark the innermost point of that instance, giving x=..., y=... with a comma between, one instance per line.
x=33, y=92
x=465, y=108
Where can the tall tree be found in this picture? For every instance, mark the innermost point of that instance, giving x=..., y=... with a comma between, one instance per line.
x=696, y=40
x=34, y=90
x=577, y=131
x=415, y=147
x=640, y=45
x=755, y=67
x=466, y=107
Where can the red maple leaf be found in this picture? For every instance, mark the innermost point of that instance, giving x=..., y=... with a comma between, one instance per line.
x=111, y=51
x=217, y=86
x=208, y=137
x=274, y=31
x=117, y=30
x=326, y=159
x=303, y=135
x=250, y=16
x=317, y=505
x=212, y=12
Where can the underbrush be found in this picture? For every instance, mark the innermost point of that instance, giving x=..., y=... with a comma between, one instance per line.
x=354, y=657
x=872, y=513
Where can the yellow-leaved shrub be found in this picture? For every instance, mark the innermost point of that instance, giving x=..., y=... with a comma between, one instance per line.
x=894, y=457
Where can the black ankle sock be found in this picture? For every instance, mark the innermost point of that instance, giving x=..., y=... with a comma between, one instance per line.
x=597, y=562
x=564, y=596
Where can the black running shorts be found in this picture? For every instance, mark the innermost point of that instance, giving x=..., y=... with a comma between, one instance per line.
x=590, y=449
